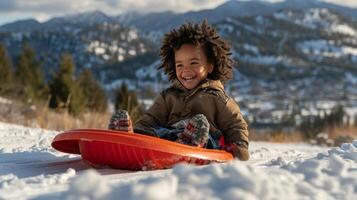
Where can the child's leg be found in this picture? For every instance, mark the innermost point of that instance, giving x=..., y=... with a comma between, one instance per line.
x=121, y=121
x=193, y=131
x=167, y=133
x=215, y=140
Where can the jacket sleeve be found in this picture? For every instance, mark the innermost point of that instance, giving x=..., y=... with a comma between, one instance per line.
x=153, y=118
x=231, y=123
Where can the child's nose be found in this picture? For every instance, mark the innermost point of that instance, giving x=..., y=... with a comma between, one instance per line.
x=186, y=67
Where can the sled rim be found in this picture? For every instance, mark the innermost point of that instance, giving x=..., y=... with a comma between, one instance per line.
x=68, y=142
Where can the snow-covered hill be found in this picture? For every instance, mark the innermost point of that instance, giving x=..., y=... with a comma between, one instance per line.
x=31, y=169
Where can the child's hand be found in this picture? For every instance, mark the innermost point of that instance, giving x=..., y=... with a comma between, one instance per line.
x=195, y=132
x=239, y=150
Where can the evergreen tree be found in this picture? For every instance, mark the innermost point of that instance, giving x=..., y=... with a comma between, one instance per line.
x=95, y=97
x=337, y=114
x=127, y=100
x=6, y=75
x=313, y=125
x=65, y=91
x=30, y=82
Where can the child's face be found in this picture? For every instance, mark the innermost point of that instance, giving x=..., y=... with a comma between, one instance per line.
x=191, y=65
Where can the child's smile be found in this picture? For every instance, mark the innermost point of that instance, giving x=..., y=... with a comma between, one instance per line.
x=191, y=65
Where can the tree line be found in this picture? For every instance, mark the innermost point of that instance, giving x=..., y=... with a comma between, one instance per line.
x=64, y=91
x=314, y=125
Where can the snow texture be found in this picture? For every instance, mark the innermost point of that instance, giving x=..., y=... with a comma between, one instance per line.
x=31, y=169
x=323, y=48
x=318, y=17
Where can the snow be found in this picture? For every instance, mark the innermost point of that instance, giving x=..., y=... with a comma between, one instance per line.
x=115, y=49
x=251, y=48
x=132, y=35
x=315, y=18
x=31, y=169
x=344, y=29
x=265, y=60
x=325, y=105
x=237, y=23
x=225, y=28
x=132, y=52
x=260, y=105
x=120, y=57
x=312, y=18
x=351, y=113
x=324, y=48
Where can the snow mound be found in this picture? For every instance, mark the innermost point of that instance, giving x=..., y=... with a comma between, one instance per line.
x=330, y=175
x=31, y=169
x=89, y=185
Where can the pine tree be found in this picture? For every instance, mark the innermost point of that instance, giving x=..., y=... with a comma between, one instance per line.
x=121, y=94
x=30, y=82
x=127, y=100
x=338, y=113
x=6, y=75
x=65, y=91
x=95, y=97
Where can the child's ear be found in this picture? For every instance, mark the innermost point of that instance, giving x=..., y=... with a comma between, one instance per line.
x=210, y=68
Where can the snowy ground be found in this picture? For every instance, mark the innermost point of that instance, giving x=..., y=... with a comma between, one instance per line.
x=31, y=169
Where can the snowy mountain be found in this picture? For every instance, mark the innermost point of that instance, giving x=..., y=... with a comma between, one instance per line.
x=31, y=169
x=293, y=40
x=164, y=21
x=92, y=41
x=293, y=43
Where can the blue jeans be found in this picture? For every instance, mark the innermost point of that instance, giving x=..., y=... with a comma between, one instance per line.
x=171, y=134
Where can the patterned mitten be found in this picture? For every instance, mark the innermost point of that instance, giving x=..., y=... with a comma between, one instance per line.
x=196, y=131
x=121, y=121
x=180, y=125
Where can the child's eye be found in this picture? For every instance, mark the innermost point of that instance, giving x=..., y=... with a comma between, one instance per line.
x=194, y=63
x=179, y=65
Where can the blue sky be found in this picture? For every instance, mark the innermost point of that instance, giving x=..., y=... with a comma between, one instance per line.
x=42, y=10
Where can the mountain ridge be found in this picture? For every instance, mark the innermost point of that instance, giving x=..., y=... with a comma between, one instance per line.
x=166, y=20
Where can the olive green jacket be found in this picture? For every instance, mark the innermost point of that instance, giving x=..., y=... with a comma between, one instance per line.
x=208, y=98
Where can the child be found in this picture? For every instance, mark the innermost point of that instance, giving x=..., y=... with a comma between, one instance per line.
x=195, y=110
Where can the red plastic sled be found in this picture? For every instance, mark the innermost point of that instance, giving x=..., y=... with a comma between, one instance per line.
x=132, y=151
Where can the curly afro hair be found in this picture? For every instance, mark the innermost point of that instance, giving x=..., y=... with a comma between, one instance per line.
x=217, y=50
